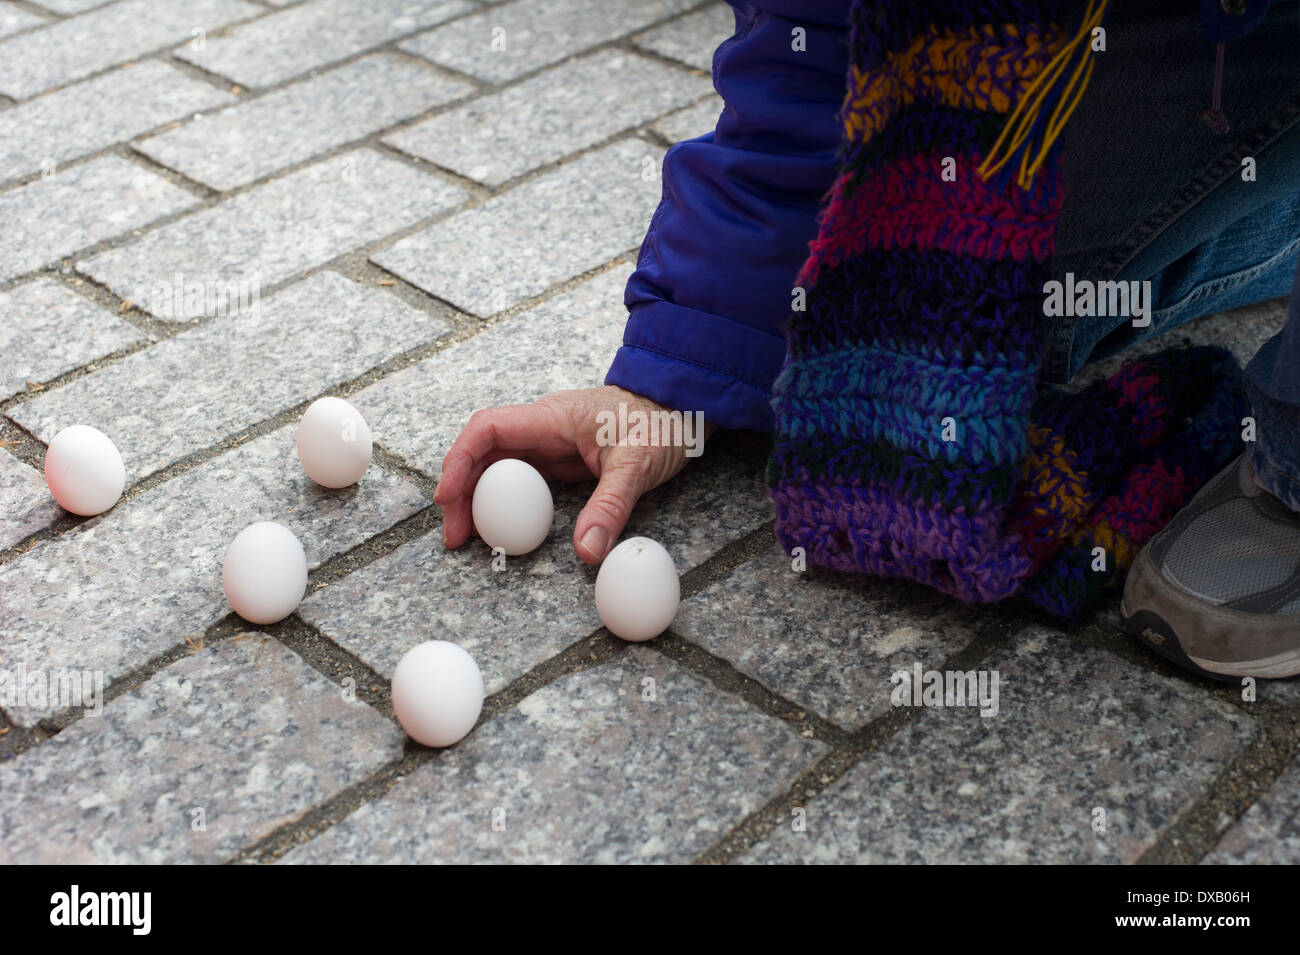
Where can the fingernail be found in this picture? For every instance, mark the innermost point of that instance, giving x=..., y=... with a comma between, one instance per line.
x=595, y=541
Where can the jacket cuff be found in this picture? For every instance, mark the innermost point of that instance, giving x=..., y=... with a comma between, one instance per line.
x=732, y=386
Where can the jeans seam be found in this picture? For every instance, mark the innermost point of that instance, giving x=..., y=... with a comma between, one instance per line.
x=1228, y=282
x=1216, y=174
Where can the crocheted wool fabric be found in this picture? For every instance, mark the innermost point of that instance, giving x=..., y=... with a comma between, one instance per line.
x=912, y=438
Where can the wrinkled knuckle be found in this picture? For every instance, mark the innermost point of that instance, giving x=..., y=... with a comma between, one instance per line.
x=612, y=505
x=639, y=462
x=579, y=411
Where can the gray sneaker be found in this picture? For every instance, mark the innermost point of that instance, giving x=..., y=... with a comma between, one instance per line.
x=1218, y=590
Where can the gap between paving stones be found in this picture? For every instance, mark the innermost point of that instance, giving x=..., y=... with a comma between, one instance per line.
x=1249, y=775
x=647, y=130
x=1192, y=836
x=1189, y=838
x=847, y=748
x=55, y=19
x=478, y=193
x=32, y=450
x=594, y=650
x=166, y=52
x=67, y=264
x=482, y=87
x=338, y=665
x=50, y=16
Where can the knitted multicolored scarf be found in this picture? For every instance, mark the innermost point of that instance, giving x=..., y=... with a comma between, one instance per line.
x=913, y=439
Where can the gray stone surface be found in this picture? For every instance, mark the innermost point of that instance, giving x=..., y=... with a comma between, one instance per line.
x=14, y=18
x=47, y=329
x=88, y=116
x=576, y=773
x=826, y=641
x=693, y=38
x=184, y=394
x=512, y=39
x=1269, y=832
x=548, y=229
x=48, y=219
x=261, y=136
x=542, y=602
x=25, y=504
x=126, y=586
x=498, y=137
x=695, y=120
x=272, y=232
x=70, y=49
x=211, y=754
x=417, y=413
x=1278, y=691
x=1078, y=729
x=290, y=42
x=565, y=342
x=69, y=7
x=529, y=189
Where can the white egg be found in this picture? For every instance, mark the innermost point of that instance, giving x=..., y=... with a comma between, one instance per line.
x=437, y=693
x=334, y=443
x=512, y=507
x=264, y=573
x=84, y=470
x=637, y=590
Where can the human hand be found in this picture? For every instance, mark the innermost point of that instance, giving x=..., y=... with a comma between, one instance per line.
x=558, y=435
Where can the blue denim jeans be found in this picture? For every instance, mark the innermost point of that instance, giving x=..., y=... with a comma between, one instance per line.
x=1156, y=195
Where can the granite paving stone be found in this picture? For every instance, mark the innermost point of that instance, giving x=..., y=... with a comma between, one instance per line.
x=634, y=761
x=14, y=18
x=827, y=641
x=497, y=137
x=692, y=121
x=70, y=49
x=541, y=602
x=290, y=42
x=1077, y=730
x=261, y=136
x=48, y=219
x=25, y=503
x=47, y=329
x=416, y=413
x=136, y=581
x=1278, y=691
x=271, y=233
x=184, y=394
x=564, y=342
x=1269, y=832
x=210, y=755
x=69, y=7
x=512, y=39
x=88, y=116
x=693, y=38
x=522, y=241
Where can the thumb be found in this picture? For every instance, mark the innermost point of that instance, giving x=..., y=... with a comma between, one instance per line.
x=623, y=479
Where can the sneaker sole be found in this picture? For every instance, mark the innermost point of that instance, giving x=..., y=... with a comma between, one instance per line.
x=1155, y=632
x=1160, y=634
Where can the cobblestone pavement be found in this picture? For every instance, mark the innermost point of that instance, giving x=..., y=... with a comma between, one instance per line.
x=214, y=212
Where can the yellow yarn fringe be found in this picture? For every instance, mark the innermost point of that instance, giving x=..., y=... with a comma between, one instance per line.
x=1047, y=88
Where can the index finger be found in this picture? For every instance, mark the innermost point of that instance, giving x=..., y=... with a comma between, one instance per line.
x=504, y=428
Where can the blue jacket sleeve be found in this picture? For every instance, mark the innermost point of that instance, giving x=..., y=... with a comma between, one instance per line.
x=712, y=288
